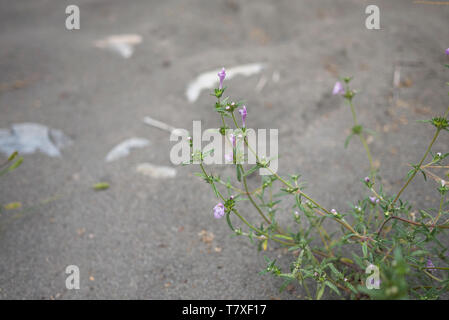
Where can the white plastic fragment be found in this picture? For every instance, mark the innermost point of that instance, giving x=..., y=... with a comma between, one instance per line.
x=123, y=149
x=155, y=171
x=163, y=126
x=209, y=80
x=122, y=44
x=27, y=138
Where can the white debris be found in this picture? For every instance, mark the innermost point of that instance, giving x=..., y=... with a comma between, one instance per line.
x=122, y=149
x=27, y=138
x=261, y=84
x=163, y=126
x=122, y=44
x=154, y=171
x=209, y=80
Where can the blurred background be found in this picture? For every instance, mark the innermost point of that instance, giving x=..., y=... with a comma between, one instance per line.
x=74, y=103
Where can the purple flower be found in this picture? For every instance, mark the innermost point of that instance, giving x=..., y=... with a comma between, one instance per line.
x=232, y=138
x=373, y=200
x=243, y=113
x=367, y=180
x=334, y=212
x=219, y=211
x=222, y=76
x=447, y=51
x=430, y=265
x=338, y=88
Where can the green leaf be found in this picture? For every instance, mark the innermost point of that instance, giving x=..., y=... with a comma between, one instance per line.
x=247, y=173
x=12, y=167
x=239, y=174
x=334, y=270
x=101, y=186
x=228, y=220
x=348, y=139
x=419, y=253
x=332, y=286
x=16, y=164
x=215, y=190
x=320, y=292
x=365, y=250
x=12, y=156
x=351, y=287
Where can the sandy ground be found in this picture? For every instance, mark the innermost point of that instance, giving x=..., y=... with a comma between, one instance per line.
x=140, y=238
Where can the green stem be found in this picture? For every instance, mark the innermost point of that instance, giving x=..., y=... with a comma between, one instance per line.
x=363, y=140
x=418, y=167
x=251, y=198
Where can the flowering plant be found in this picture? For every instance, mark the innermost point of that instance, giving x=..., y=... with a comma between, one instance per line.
x=384, y=250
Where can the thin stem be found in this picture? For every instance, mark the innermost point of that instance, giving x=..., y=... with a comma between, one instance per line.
x=251, y=198
x=442, y=226
x=363, y=140
x=418, y=167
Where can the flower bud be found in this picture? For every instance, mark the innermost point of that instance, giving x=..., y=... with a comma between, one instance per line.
x=221, y=76
x=243, y=113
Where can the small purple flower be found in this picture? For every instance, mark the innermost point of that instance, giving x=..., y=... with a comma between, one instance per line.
x=222, y=76
x=219, y=211
x=374, y=200
x=243, y=113
x=430, y=265
x=338, y=88
x=334, y=212
x=447, y=51
x=367, y=180
x=232, y=138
